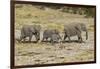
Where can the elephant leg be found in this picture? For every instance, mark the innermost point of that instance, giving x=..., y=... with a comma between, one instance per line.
x=52, y=41
x=65, y=37
x=46, y=39
x=37, y=38
x=81, y=40
x=80, y=37
x=30, y=37
x=22, y=38
x=69, y=38
x=43, y=39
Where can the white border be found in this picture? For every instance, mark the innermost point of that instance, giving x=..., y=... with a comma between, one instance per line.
x=5, y=34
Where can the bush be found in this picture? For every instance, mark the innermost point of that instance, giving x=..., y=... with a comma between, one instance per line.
x=18, y=6
x=89, y=12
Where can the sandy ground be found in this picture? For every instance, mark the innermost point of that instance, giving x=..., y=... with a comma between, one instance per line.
x=46, y=53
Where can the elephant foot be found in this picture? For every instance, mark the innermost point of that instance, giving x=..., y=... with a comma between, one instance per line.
x=69, y=41
x=42, y=40
x=36, y=41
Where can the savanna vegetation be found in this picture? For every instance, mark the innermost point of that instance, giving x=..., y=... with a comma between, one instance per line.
x=53, y=16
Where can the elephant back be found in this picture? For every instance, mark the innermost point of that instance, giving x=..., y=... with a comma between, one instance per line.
x=37, y=27
x=70, y=29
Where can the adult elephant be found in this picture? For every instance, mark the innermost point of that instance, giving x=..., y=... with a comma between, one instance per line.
x=29, y=31
x=75, y=29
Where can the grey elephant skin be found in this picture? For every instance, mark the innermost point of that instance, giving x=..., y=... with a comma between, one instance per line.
x=75, y=29
x=52, y=34
x=55, y=38
x=29, y=31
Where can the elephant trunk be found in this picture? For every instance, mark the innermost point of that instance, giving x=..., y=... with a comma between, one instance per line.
x=86, y=35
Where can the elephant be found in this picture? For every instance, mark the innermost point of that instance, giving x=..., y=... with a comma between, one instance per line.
x=52, y=34
x=29, y=31
x=17, y=35
x=75, y=29
x=55, y=38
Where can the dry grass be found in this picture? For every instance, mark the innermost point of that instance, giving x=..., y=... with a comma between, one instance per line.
x=45, y=53
x=47, y=19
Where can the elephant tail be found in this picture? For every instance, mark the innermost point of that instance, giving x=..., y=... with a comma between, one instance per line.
x=86, y=35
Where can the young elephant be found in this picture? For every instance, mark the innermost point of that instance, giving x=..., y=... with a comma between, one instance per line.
x=53, y=35
x=75, y=29
x=55, y=38
x=29, y=31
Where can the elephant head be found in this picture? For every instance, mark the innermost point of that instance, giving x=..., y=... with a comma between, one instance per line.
x=83, y=28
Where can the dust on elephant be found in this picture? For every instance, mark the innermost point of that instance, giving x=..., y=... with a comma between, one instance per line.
x=29, y=31
x=75, y=29
x=52, y=34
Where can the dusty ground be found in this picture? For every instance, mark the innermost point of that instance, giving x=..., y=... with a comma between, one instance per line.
x=46, y=53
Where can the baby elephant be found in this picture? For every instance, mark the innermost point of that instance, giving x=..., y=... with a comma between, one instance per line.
x=53, y=35
x=55, y=38
x=29, y=31
x=75, y=29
